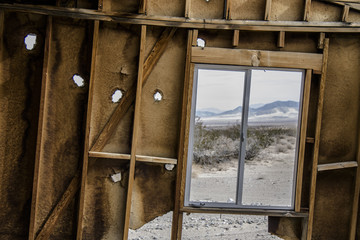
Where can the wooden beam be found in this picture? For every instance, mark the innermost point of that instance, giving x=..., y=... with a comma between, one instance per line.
x=303, y=129
x=182, y=22
x=315, y=157
x=109, y=155
x=187, y=8
x=87, y=131
x=256, y=58
x=64, y=202
x=129, y=96
x=227, y=8
x=135, y=131
x=195, y=37
x=267, y=10
x=355, y=207
x=310, y=140
x=352, y=4
x=235, y=42
x=139, y=158
x=307, y=10
x=336, y=166
x=321, y=41
x=345, y=13
x=281, y=40
x=143, y=7
x=177, y=220
x=41, y=126
x=275, y=213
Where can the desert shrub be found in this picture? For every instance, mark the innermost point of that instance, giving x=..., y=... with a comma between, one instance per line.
x=281, y=148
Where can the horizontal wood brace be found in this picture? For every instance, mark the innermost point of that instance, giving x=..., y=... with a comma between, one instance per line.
x=256, y=58
x=310, y=139
x=337, y=165
x=275, y=213
x=182, y=22
x=139, y=158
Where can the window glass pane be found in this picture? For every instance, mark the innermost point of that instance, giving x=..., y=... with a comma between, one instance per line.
x=216, y=135
x=271, y=138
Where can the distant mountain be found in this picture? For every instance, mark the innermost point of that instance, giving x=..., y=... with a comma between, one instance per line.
x=275, y=112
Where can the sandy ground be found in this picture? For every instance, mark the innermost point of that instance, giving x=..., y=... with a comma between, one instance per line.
x=268, y=181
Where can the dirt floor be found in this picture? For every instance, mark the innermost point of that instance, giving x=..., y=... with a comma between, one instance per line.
x=268, y=181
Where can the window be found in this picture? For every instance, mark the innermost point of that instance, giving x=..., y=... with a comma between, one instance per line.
x=244, y=136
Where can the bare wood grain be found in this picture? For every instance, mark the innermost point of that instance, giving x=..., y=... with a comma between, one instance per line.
x=267, y=10
x=256, y=58
x=87, y=131
x=315, y=157
x=303, y=128
x=345, y=13
x=41, y=125
x=336, y=166
x=135, y=131
x=307, y=10
x=281, y=40
x=235, y=42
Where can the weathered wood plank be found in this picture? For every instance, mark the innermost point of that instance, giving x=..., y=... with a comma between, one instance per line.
x=310, y=140
x=235, y=41
x=129, y=96
x=275, y=213
x=267, y=10
x=315, y=157
x=143, y=6
x=227, y=8
x=87, y=131
x=307, y=10
x=64, y=202
x=303, y=128
x=109, y=155
x=195, y=37
x=34, y=206
x=335, y=166
x=135, y=131
x=256, y=58
x=345, y=13
x=321, y=41
x=150, y=159
x=182, y=22
x=177, y=220
x=139, y=158
x=281, y=40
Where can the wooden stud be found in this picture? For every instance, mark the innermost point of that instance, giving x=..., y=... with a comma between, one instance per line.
x=345, y=13
x=355, y=207
x=41, y=125
x=303, y=128
x=236, y=38
x=109, y=155
x=177, y=220
x=135, y=131
x=267, y=10
x=307, y=10
x=149, y=159
x=182, y=22
x=304, y=225
x=139, y=158
x=321, y=41
x=317, y=141
x=195, y=37
x=129, y=96
x=281, y=39
x=64, y=202
x=336, y=166
x=227, y=8
x=243, y=57
x=87, y=131
x=187, y=8
x=143, y=6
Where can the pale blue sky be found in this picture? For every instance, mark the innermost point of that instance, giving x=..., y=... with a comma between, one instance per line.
x=223, y=89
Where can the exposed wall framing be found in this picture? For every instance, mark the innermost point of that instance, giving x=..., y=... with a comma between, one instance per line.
x=60, y=137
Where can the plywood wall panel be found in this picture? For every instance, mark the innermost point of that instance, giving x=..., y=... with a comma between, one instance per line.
x=248, y=9
x=207, y=9
x=20, y=84
x=116, y=68
x=166, y=8
x=160, y=121
x=61, y=146
x=287, y=10
x=105, y=200
x=125, y=6
x=325, y=12
x=341, y=105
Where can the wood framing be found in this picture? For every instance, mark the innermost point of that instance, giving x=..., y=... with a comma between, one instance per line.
x=256, y=58
x=281, y=40
x=135, y=131
x=315, y=157
x=235, y=42
x=335, y=166
x=307, y=10
x=303, y=129
x=267, y=10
